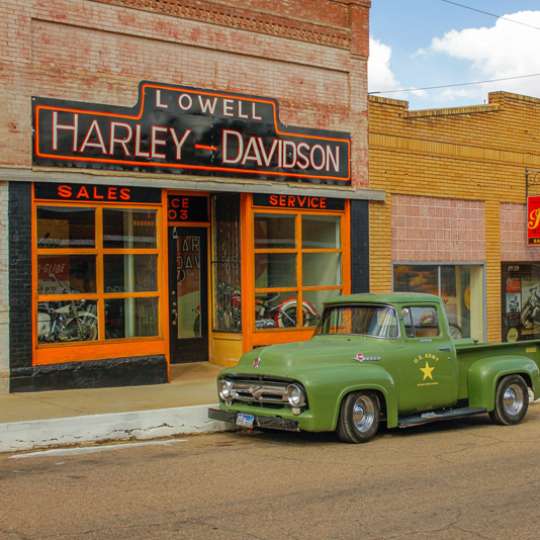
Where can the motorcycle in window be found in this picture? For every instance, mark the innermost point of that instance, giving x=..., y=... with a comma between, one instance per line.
x=272, y=312
x=70, y=320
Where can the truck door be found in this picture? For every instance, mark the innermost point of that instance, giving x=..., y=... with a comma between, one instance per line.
x=427, y=366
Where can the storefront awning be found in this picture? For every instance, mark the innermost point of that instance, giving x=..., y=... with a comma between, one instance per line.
x=188, y=183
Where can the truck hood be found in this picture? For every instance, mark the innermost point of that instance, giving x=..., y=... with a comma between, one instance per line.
x=288, y=360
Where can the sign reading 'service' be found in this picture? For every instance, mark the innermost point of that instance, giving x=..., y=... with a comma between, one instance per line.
x=306, y=202
x=186, y=130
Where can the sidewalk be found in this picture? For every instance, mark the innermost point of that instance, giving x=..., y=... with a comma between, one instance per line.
x=62, y=417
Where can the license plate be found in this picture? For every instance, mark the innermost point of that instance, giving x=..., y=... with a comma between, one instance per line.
x=245, y=420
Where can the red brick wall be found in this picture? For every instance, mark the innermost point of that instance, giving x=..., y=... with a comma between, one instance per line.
x=514, y=247
x=309, y=54
x=429, y=229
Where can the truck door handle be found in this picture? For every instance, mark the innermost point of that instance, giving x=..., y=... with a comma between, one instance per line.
x=445, y=348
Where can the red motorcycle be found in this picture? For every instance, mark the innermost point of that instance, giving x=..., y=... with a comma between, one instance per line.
x=274, y=312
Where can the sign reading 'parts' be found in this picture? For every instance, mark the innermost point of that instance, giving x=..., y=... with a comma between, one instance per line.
x=185, y=130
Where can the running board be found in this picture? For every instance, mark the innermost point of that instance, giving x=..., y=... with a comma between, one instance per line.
x=435, y=416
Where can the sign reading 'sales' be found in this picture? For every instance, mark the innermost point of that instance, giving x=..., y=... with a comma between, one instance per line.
x=185, y=130
x=96, y=193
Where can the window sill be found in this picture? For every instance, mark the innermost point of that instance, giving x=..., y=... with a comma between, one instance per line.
x=78, y=352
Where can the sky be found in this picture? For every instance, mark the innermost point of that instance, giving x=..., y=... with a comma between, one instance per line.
x=418, y=43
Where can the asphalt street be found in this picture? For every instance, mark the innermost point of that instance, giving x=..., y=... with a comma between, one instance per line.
x=461, y=480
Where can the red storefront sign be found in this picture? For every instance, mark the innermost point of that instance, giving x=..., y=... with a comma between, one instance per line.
x=533, y=220
x=298, y=202
x=187, y=208
x=96, y=193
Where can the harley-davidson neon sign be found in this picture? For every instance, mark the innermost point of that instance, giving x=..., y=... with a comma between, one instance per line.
x=186, y=130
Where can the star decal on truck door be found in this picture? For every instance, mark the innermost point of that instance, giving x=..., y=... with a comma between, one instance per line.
x=430, y=363
x=427, y=371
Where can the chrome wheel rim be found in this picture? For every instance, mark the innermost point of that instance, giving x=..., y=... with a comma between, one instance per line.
x=513, y=400
x=363, y=415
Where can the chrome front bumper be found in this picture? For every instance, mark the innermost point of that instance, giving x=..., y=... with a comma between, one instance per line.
x=264, y=422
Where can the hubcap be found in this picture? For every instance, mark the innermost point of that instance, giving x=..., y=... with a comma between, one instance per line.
x=513, y=400
x=363, y=414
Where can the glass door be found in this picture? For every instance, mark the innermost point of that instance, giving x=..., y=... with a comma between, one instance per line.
x=188, y=289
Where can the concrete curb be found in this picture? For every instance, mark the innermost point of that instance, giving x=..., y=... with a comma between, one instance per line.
x=142, y=425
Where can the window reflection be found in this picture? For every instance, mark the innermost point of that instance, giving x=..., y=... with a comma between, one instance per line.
x=459, y=286
x=62, y=227
x=274, y=231
x=131, y=317
x=66, y=274
x=130, y=273
x=275, y=270
x=320, y=231
x=129, y=228
x=321, y=269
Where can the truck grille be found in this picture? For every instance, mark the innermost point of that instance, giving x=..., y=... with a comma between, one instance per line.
x=259, y=392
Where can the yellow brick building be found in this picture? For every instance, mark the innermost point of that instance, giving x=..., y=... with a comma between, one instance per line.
x=454, y=218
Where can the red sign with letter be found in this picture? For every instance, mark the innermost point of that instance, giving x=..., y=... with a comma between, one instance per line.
x=298, y=202
x=96, y=193
x=533, y=220
x=187, y=208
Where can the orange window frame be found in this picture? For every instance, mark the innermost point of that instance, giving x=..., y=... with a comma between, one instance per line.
x=53, y=353
x=254, y=336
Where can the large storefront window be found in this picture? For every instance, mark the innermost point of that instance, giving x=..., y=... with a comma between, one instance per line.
x=460, y=287
x=97, y=273
x=520, y=301
x=298, y=265
x=226, y=263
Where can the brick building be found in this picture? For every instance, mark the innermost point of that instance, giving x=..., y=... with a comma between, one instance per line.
x=454, y=221
x=157, y=203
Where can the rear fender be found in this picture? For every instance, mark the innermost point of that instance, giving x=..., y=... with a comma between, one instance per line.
x=485, y=374
x=373, y=378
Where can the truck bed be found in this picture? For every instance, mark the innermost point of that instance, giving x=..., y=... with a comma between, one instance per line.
x=469, y=352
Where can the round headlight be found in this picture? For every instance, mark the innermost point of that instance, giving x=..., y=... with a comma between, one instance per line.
x=225, y=389
x=295, y=395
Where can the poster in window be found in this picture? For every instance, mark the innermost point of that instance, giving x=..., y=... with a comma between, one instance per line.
x=521, y=297
x=188, y=279
x=530, y=312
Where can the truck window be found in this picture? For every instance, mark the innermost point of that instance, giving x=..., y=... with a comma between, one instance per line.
x=367, y=320
x=421, y=321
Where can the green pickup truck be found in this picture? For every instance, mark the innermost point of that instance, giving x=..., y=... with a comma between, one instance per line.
x=378, y=358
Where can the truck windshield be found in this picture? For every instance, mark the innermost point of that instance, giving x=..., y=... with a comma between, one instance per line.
x=375, y=321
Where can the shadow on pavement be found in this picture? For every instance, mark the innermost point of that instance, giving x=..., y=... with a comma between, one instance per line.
x=300, y=438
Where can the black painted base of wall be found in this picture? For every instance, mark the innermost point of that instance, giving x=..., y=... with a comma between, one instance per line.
x=359, y=246
x=94, y=374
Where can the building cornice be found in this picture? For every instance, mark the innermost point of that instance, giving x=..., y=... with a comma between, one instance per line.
x=246, y=19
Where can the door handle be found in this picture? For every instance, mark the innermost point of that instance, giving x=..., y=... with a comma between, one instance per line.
x=446, y=348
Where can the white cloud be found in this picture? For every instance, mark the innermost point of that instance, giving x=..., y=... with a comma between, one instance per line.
x=503, y=50
x=380, y=74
